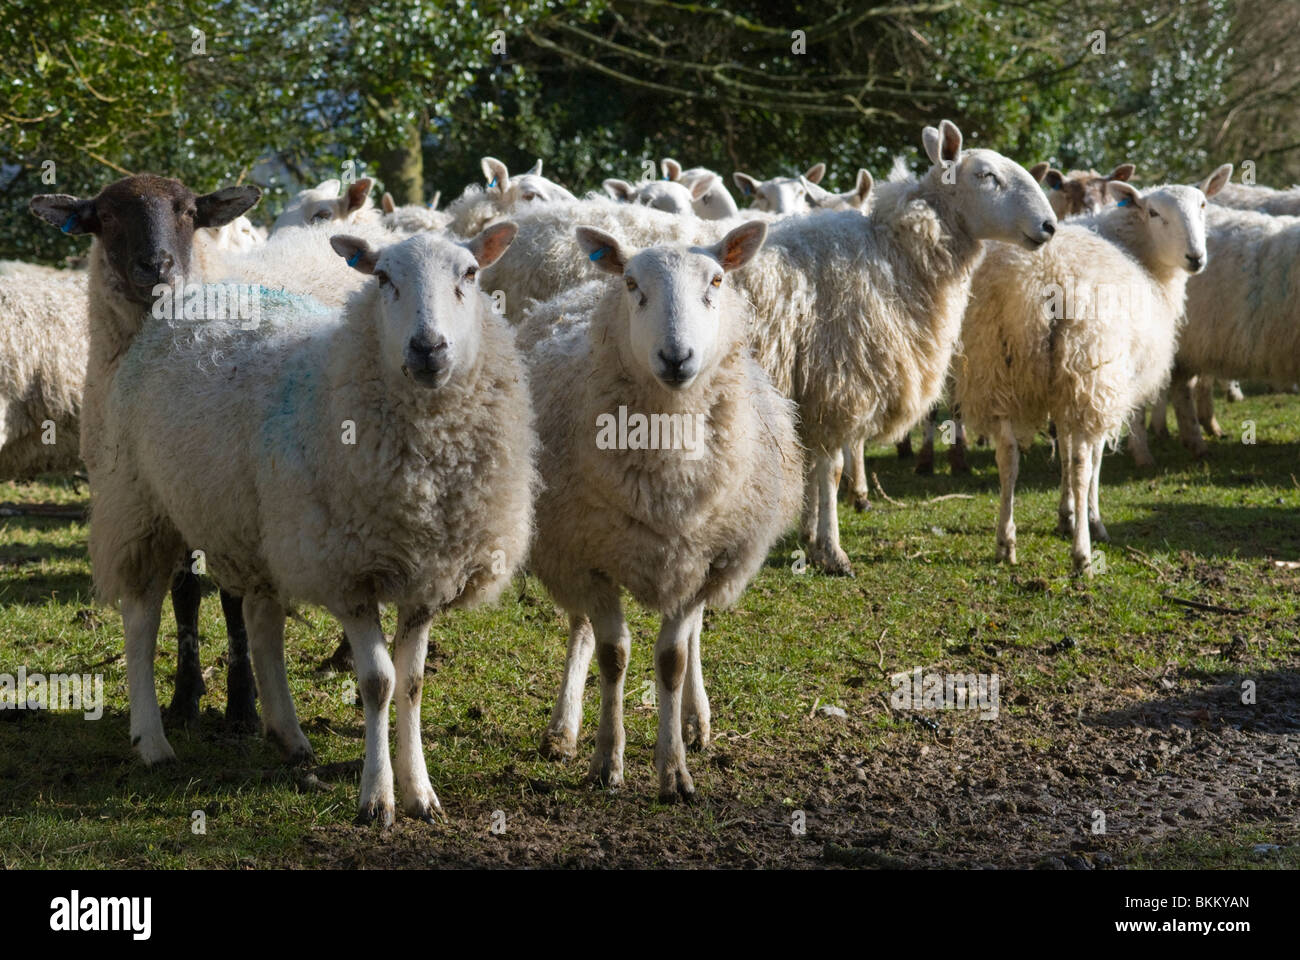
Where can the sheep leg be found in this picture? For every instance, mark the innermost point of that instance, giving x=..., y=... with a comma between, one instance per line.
x=265, y=620
x=855, y=472
x=376, y=679
x=1080, y=482
x=1095, y=527
x=826, y=552
x=925, y=460
x=141, y=616
x=696, y=728
x=613, y=646
x=1189, y=430
x=1205, y=406
x=672, y=651
x=1137, y=437
x=957, y=452
x=184, y=708
x=411, y=645
x=1065, y=508
x=904, y=446
x=560, y=741
x=1159, y=415
x=808, y=519
x=1008, y=456
x=241, y=691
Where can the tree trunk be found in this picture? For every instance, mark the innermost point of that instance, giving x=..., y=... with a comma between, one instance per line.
x=400, y=166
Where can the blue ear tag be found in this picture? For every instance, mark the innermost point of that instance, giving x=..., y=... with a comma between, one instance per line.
x=69, y=223
x=1123, y=203
x=352, y=260
x=1057, y=187
x=748, y=191
x=493, y=183
x=599, y=253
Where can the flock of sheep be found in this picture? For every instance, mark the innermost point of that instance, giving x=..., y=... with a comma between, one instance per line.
x=677, y=377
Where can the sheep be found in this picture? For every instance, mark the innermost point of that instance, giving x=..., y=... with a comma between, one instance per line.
x=1241, y=196
x=714, y=203
x=1082, y=191
x=1084, y=332
x=666, y=195
x=680, y=525
x=324, y=203
x=479, y=206
x=383, y=453
x=856, y=316
x=855, y=199
x=42, y=369
x=1242, y=318
x=238, y=234
x=412, y=217
x=780, y=194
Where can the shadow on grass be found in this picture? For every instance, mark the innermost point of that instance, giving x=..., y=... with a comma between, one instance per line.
x=1276, y=709
x=1213, y=532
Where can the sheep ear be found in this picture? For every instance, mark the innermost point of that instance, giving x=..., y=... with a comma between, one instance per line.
x=495, y=173
x=359, y=254
x=66, y=212
x=358, y=194
x=815, y=172
x=1125, y=194
x=703, y=185
x=1054, y=179
x=1217, y=180
x=537, y=168
x=619, y=189
x=862, y=190
x=942, y=145
x=1039, y=170
x=671, y=168
x=436, y=199
x=330, y=187
x=602, y=250
x=1124, y=171
x=386, y=201
x=748, y=185
x=218, y=208
x=739, y=246
x=816, y=195
x=492, y=241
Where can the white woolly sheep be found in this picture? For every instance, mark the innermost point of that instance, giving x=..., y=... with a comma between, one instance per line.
x=324, y=202
x=1279, y=203
x=780, y=194
x=380, y=454
x=412, y=217
x=1082, y=332
x=503, y=196
x=682, y=517
x=714, y=203
x=666, y=195
x=855, y=199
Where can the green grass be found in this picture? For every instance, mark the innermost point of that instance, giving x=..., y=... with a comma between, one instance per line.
x=926, y=593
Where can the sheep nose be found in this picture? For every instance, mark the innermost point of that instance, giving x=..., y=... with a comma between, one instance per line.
x=1049, y=227
x=424, y=348
x=674, y=362
x=157, y=269
x=1195, y=262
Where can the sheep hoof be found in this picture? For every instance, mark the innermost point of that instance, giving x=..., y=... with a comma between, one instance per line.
x=1064, y=525
x=695, y=733
x=1006, y=553
x=1097, y=531
x=1083, y=567
x=241, y=718
x=674, y=786
x=427, y=811
x=861, y=503
x=1214, y=428
x=375, y=812
x=183, y=711
x=606, y=771
x=295, y=749
x=925, y=465
x=959, y=466
x=558, y=746
x=154, y=750
x=904, y=448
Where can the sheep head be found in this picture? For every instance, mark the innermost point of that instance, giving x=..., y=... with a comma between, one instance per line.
x=673, y=299
x=427, y=299
x=780, y=194
x=996, y=197
x=145, y=225
x=324, y=202
x=530, y=187
x=1081, y=191
x=1171, y=218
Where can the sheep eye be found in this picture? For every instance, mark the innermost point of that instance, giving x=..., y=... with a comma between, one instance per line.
x=381, y=277
x=706, y=199
x=471, y=273
x=1154, y=215
x=631, y=285
x=320, y=215
x=716, y=281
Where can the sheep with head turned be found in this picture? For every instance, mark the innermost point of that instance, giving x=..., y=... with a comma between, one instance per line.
x=329, y=202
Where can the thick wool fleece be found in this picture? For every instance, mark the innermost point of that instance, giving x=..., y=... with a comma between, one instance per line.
x=234, y=440
x=674, y=531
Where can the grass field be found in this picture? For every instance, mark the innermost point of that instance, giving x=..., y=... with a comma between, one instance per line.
x=1140, y=719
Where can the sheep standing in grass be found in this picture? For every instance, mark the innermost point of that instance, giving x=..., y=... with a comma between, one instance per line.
x=381, y=454
x=780, y=194
x=324, y=203
x=1243, y=318
x=683, y=518
x=1082, y=332
x=42, y=369
x=503, y=196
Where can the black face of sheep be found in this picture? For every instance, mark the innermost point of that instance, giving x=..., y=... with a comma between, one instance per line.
x=146, y=225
